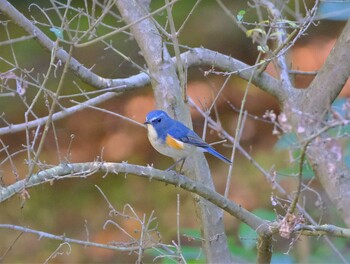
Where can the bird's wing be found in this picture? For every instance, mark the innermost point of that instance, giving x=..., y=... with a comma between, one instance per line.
x=186, y=135
x=179, y=134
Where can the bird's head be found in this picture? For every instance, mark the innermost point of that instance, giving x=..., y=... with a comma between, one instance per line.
x=156, y=118
x=157, y=122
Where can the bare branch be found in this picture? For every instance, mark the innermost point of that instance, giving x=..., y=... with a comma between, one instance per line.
x=331, y=230
x=83, y=170
x=202, y=56
x=63, y=238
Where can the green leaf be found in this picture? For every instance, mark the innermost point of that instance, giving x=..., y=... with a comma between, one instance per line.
x=264, y=22
x=58, y=32
x=290, y=23
x=263, y=49
x=250, y=32
x=240, y=15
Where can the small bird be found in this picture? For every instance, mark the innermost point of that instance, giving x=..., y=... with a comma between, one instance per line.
x=172, y=138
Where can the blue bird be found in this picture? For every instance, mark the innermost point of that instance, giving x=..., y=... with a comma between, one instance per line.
x=172, y=138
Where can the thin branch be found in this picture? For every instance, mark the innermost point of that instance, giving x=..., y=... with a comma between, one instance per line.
x=307, y=142
x=297, y=72
x=58, y=115
x=15, y=40
x=63, y=238
x=331, y=230
x=280, y=36
x=179, y=62
x=110, y=34
x=240, y=124
x=49, y=118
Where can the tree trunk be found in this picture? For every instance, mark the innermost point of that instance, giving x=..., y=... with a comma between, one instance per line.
x=165, y=83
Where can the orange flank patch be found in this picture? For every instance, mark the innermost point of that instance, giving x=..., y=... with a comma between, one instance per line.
x=172, y=142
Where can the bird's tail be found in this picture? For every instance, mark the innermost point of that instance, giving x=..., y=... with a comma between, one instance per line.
x=218, y=155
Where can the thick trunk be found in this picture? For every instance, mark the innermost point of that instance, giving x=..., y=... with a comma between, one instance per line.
x=308, y=110
x=168, y=95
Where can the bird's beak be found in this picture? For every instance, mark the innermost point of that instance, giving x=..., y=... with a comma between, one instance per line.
x=147, y=122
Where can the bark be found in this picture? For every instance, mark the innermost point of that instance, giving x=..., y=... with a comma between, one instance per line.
x=264, y=246
x=315, y=102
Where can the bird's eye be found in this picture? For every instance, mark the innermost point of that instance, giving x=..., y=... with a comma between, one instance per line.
x=158, y=120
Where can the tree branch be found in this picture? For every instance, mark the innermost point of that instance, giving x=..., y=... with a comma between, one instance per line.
x=83, y=170
x=331, y=78
x=264, y=246
x=63, y=238
x=321, y=230
x=58, y=115
x=280, y=36
x=202, y=56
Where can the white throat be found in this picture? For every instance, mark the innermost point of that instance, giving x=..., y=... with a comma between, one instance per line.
x=152, y=133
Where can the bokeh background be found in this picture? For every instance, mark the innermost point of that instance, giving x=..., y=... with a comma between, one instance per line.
x=77, y=209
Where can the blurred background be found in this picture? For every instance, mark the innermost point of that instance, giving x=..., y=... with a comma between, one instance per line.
x=75, y=207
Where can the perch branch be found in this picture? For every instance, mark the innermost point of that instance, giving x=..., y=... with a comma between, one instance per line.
x=83, y=170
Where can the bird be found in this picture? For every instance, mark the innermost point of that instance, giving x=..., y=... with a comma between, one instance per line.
x=173, y=139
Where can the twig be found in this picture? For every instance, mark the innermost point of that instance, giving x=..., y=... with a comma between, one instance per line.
x=49, y=119
x=179, y=62
x=110, y=112
x=297, y=72
x=331, y=230
x=110, y=34
x=56, y=116
x=64, y=238
x=307, y=142
x=239, y=124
